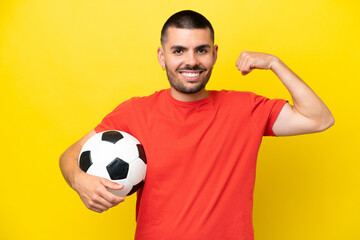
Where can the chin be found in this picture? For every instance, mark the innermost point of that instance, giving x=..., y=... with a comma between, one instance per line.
x=189, y=90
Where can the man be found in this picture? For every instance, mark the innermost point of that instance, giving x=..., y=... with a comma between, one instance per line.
x=201, y=145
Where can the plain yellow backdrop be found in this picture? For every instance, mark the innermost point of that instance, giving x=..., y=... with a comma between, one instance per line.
x=65, y=64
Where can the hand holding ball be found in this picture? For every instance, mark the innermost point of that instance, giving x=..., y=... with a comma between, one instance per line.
x=117, y=156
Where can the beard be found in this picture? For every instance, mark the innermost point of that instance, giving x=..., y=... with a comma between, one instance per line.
x=179, y=85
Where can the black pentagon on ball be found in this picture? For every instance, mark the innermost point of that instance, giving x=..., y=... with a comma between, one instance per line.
x=135, y=188
x=111, y=136
x=118, y=169
x=85, y=160
x=142, y=155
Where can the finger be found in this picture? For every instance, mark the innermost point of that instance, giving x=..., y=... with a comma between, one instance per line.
x=110, y=197
x=101, y=198
x=240, y=59
x=241, y=62
x=245, y=66
x=106, y=201
x=96, y=206
x=246, y=72
x=112, y=185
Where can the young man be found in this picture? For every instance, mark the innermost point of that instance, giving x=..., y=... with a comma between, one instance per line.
x=201, y=145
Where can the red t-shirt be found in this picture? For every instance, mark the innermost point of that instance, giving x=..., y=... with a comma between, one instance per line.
x=201, y=162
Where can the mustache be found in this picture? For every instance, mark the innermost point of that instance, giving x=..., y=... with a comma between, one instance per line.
x=189, y=68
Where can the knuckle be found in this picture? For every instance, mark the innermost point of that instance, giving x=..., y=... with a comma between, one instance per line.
x=98, y=189
x=94, y=198
x=91, y=204
x=112, y=199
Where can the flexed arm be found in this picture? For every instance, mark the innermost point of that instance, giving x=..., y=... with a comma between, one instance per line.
x=309, y=113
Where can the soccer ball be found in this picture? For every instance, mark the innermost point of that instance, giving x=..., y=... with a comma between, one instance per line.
x=117, y=156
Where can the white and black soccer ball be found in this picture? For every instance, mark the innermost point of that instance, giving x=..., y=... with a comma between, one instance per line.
x=117, y=156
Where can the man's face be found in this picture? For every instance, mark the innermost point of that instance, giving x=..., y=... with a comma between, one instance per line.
x=188, y=56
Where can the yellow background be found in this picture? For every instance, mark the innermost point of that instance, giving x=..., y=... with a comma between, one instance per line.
x=65, y=64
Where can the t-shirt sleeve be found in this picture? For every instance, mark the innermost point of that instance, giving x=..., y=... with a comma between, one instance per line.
x=118, y=119
x=265, y=112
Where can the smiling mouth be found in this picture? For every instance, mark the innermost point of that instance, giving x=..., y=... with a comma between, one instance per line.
x=190, y=74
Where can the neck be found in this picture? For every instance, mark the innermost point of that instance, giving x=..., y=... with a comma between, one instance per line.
x=189, y=97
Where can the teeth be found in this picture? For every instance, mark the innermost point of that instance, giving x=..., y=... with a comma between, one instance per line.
x=190, y=74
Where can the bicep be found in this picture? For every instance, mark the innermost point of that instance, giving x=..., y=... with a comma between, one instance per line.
x=290, y=122
x=83, y=140
x=73, y=151
x=68, y=160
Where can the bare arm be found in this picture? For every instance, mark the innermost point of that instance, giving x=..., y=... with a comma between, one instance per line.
x=92, y=190
x=309, y=114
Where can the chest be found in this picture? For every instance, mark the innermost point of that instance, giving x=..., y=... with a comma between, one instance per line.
x=187, y=141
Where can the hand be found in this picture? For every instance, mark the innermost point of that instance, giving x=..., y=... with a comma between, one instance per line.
x=248, y=61
x=94, y=194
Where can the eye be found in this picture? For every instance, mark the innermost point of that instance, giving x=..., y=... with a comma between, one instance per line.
x=201, y=50
x=177, y=51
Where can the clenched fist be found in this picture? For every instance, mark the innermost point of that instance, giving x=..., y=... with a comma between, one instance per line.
x=248, y=61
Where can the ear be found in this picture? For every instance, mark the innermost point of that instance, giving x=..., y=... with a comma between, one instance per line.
x=161, y=57
x=215, y=51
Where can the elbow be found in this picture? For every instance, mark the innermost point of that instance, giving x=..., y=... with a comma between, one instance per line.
x=327, y=123
x=332, y=121
x=61, y=162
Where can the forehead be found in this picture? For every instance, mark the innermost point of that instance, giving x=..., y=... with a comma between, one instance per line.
x=188, y=37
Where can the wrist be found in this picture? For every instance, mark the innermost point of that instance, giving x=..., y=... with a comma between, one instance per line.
x=77, y=174
x=276, y=65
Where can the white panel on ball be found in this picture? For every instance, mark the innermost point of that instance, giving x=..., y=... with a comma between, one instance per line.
x=137, y=171
x=126, y=150
x=103, y=153
x=98, y=170
x=126, y=135
x=91, y=142
x=123, y=192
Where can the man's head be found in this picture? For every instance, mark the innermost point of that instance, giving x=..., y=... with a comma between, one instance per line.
x=186, y=19
x=188, y=52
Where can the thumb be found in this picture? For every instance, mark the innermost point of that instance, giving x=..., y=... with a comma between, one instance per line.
x=112, y=185
x=245, y=72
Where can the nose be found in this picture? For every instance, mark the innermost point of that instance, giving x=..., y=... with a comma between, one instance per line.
x=191, y=59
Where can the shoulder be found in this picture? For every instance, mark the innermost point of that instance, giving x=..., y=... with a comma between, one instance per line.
x=232, y=96
x=231, y=93
x=152, y=97
x=144, y=100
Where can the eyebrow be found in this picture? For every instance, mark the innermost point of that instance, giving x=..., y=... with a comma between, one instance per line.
x=203, y=46
x=179, y=47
